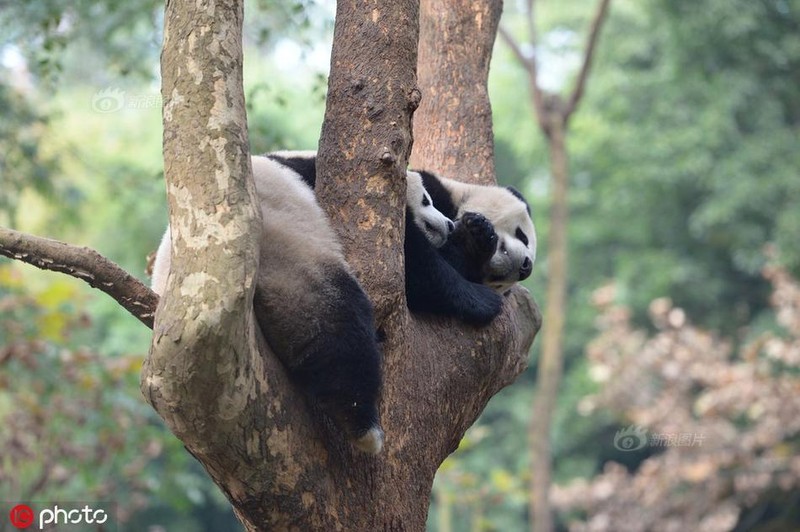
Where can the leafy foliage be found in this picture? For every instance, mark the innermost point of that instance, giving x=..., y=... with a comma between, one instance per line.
x=726, y=425
x=72, y=419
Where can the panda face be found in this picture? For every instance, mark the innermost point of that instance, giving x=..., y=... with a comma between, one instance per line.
x=516, y=237
x=435, y=225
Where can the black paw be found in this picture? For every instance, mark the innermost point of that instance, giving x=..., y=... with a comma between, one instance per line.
x=482, y=238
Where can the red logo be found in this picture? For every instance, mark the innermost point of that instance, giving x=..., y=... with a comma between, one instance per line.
x=21, y=516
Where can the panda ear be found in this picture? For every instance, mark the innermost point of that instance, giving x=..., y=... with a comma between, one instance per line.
x=520, y=197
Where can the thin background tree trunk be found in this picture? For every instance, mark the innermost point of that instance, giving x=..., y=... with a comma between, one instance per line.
x=551, y=361
x=552, y=113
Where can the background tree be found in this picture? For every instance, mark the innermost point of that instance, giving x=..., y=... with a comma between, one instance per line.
x=553, y=113
x=705, y=474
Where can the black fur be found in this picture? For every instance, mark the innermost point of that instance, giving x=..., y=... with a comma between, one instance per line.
x=338, y=363
x=520, y=197
x=436, y=285
x=342, y=368
x=440, y=195
x=306, y=167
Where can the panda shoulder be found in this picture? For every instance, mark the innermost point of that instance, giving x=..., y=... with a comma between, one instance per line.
x=273, y=178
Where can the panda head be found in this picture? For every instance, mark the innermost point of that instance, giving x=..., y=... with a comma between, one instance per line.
x=516, y=236
x=434, y=225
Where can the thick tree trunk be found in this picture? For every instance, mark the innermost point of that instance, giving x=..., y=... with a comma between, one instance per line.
x=453, y=127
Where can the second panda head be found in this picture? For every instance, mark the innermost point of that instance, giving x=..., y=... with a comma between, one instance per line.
x=435, y=226
x=516, y=236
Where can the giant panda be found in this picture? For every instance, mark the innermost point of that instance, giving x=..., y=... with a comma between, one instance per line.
x=491, y=246
x=314, y=314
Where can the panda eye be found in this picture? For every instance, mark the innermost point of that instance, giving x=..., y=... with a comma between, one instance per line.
x=425, y=201
x=521, y=236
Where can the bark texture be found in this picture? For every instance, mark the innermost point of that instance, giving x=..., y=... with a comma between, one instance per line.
x=85, y=264
x=453, y=127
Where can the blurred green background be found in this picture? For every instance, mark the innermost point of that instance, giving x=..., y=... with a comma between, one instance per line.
x=684, y=165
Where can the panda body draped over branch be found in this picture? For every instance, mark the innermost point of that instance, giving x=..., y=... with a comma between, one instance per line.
x=313, y=312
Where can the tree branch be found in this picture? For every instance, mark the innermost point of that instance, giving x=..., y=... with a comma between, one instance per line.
x=580, y=82
x=529, y=64
x=85, y=264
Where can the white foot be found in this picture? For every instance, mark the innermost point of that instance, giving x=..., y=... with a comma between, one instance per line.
x=371, y=442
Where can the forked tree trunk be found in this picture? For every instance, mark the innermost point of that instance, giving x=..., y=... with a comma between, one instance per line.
x=209, y=373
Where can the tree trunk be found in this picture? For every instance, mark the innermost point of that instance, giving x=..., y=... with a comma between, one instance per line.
x=550, y=361
x=453, y=126
x=210, y=374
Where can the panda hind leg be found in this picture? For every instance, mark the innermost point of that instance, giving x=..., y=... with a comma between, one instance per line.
x=341, y=366
x=346, y=392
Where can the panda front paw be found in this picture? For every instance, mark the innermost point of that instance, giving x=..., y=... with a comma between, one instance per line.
x=480, y=236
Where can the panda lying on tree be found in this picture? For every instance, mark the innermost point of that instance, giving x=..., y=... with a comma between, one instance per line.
x=492, y=245
x=312, y=311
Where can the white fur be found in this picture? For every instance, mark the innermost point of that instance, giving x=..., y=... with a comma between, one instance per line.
x=289, y=208
x=435, y=225
x=300, y=270
x=161, y=264
x=371, y=442
x=295, y=154
x=507, y=213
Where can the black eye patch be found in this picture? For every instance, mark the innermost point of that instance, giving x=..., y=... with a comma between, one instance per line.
x=425, y=201
x=521, y=236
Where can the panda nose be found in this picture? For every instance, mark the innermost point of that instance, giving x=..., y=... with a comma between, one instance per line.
x=525, y=269
x=450, y=226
